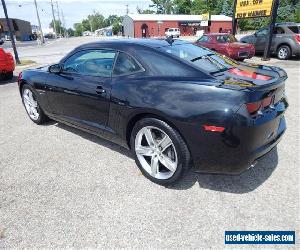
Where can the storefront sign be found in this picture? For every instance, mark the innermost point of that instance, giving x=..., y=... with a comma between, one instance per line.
x=253, y=8
x=191, y=23
x=204, y=23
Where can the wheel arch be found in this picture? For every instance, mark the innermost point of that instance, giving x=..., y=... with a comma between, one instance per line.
x=140, y=116
x=21, y=85
x=283, y=44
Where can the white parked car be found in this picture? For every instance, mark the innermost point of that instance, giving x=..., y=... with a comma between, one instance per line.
x=175, y=32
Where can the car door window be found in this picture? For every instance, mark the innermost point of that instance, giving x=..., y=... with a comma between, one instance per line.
x=279, y=30
x=262, y=33
x=125, y=65
x=203, y=39
x=91, y=62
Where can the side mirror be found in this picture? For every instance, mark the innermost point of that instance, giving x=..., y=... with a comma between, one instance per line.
x=56, y=68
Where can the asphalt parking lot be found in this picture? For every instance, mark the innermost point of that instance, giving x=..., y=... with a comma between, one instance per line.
x=60, y=187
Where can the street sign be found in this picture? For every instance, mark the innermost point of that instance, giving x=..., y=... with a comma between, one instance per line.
x=253, y=8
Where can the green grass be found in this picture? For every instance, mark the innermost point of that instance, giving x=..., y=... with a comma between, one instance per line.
x=26, y=62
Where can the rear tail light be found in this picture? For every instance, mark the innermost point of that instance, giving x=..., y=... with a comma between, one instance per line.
x=297, y=38
x=20, y=76
x=249, y=74
x=254, y=107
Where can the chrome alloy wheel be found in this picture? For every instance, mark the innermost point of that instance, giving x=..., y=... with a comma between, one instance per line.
x=156, y=152
x=283, y=53
x=31, y=104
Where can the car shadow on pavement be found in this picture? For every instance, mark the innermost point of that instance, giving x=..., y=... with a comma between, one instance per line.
x=5, y=82
x=238, y=184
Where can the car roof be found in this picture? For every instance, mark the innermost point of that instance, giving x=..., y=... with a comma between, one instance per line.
x=287, y=24
x=152, y=43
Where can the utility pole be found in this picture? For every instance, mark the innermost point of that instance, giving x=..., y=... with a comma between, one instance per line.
x=58, y=18
x=127, y=9
x=267, y=50
x=39, y=21
x=10, y=33
x=234, y=20
x=64, y=23
x=54, y=21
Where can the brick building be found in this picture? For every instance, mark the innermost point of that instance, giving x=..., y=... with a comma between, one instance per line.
x=152, y=25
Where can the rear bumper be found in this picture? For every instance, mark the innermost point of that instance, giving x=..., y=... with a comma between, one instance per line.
x=7, y=67
x=296, y=50
x=242, y=55
x=238, y=147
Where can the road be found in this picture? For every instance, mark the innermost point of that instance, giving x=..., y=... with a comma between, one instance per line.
x=60, y=187
x=52, y=51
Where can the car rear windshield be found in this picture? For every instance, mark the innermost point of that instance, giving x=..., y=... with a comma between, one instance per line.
x=226, y=39
x=201, y=57
x=295, y=29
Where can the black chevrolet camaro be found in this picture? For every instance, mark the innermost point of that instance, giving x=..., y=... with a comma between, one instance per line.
x=174, y=104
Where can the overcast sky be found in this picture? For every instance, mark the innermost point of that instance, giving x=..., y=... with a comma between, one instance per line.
x=74, y=10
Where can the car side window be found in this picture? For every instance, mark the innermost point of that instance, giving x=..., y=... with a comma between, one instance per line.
x=279, y=30
x=222, y=39
x=262, y=33
x=125, y=65
x=203, y=39
x=91, y=62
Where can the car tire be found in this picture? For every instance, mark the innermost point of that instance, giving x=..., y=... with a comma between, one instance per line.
x=284, y=52
x=32, y=107
x=165, y=161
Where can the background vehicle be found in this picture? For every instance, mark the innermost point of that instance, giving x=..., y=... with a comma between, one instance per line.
x=172, y=103
x=175, y=32
x=227, y=45
x=7, y=65
x=285, y=41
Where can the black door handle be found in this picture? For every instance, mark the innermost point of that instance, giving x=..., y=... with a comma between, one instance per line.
x=100, y=90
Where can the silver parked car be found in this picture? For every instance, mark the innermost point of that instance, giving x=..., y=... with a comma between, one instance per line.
x=285, y=41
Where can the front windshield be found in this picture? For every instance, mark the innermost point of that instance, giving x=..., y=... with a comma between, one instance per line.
x=201, y=57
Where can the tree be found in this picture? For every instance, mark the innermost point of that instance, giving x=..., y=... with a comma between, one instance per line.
x=146, y=11
x=163, y=6
x=58, y=27
x=116, y=28
x=183, y=6
x=78, y=29
x=70, y=32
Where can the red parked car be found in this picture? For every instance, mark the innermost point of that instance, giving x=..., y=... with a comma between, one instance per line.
x=227, y=45
x=7, y=65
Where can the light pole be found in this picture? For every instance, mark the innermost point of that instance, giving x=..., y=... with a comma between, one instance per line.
x=39, y=21
x=10, y=33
